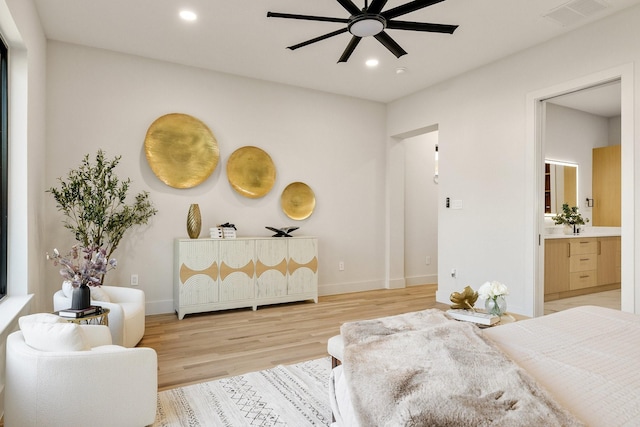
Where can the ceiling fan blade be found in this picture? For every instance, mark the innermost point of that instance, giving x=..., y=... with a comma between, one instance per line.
x=317, y=39
x=351, y=8
x=408, y=7
x=349, y=49
x=376, y=6
x=390, y=44
x=306, y=17
x=421, y=26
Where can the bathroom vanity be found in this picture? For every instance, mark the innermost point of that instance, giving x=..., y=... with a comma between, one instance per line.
x=581, y=264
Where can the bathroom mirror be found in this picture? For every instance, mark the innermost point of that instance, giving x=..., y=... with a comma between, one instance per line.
x=560, y=185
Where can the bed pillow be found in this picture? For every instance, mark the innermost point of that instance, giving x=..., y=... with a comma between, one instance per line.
x=48, y=332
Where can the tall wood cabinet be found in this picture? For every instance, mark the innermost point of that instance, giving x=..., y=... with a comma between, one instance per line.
x=219, y=274
x=606, y=183
x=576, y=266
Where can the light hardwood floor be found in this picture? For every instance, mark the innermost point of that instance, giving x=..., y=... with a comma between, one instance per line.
x=208, y=346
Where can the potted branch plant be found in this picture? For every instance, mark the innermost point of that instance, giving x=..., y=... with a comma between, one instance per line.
x=570, y=218
x=93, y=201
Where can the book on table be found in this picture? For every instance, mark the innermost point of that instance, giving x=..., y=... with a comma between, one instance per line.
x=82, y=312
x=473, y=316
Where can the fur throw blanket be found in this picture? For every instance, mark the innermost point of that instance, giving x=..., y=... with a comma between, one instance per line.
x=425, y=369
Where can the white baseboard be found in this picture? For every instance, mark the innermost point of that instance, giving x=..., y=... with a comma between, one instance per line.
x=347, y=288
x=159, y=307
x=422, y=280
x=166, y=306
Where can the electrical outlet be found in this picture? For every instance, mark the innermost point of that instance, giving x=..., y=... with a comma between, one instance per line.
x=454, y=273
x=134, y=280
x=341, y=266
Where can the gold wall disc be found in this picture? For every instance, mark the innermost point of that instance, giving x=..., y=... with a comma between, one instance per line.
x=298, y=201
x=251, y=172
x=181, y=150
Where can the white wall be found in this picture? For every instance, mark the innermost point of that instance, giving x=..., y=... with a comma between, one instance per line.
x=571, y=136
x=20, y=27
x=100, y=99
x=421, y=210
x=484, y=159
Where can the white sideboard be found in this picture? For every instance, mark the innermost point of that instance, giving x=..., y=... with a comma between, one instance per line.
x=221, y=274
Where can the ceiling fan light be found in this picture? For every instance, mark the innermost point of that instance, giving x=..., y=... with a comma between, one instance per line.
x=188, y=15
x=367, y=25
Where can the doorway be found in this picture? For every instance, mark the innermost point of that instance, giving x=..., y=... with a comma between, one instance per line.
x=421, y=209
x=537, y=131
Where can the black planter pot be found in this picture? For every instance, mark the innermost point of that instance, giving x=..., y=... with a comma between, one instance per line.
x=81, y=297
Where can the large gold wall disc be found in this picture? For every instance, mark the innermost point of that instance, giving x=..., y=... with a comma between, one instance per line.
x=181, y=150
x=251, y=172
x=298, y=201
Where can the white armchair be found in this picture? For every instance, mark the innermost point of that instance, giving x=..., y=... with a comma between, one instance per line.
x=126, y=318
x=105, y=385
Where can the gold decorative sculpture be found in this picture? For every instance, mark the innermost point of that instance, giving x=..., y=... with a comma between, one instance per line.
x=194, y=221
x=181, y=150
x=298, y=201
x=465, y=299
x=251, y=172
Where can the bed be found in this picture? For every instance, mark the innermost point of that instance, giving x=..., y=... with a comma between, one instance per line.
x=587, y=359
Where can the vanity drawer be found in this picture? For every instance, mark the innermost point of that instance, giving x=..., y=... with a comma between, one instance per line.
x=583, y=246
x=582, y=279
x=583, y=262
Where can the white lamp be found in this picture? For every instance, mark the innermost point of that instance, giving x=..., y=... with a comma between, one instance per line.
x=367, y=25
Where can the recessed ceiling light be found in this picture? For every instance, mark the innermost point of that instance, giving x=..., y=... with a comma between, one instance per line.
x=188, y=15
x=401, y=70
x=372, y=63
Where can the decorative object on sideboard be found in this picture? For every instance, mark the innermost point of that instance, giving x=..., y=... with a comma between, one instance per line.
x=251, y=172
x=83, y=267
x=494, y=295
x=93, y=201
x=228, y=230
x=298, y=201
x=570, y=218
x=282, y=232
x=464, y=300
x=194, y=221
x=223, y=231
x=181, y=150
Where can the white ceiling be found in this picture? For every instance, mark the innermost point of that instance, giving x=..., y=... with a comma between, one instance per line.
x=604, y=100
x=235, y=36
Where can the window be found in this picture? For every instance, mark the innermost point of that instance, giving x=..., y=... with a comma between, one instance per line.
x=4, y=162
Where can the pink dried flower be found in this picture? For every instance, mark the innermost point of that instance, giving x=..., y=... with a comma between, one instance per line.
x=87, y=269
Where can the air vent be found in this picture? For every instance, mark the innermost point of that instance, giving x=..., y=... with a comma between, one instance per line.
x=574, y=11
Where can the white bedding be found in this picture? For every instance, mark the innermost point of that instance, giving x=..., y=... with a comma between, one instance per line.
x=588, y=358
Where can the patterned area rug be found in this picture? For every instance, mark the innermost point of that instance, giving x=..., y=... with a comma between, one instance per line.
x=293, y=395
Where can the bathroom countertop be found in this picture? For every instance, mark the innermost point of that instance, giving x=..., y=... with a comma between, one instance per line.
x=557, y=233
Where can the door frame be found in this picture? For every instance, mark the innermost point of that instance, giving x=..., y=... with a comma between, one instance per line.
x=535, y=181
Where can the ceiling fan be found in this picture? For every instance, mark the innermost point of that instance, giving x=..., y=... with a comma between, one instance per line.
x=371, y=21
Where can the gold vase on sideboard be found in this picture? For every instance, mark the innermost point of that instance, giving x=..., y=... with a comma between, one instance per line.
x=194, y=221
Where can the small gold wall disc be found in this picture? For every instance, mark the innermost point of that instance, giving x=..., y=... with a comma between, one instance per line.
x=181, y=150
x=251, y=172
x=298, y=201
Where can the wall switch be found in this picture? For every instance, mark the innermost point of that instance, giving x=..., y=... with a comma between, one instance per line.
x=134, y=280
x=456, y=204
x=427, y=260
x=341, y=266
